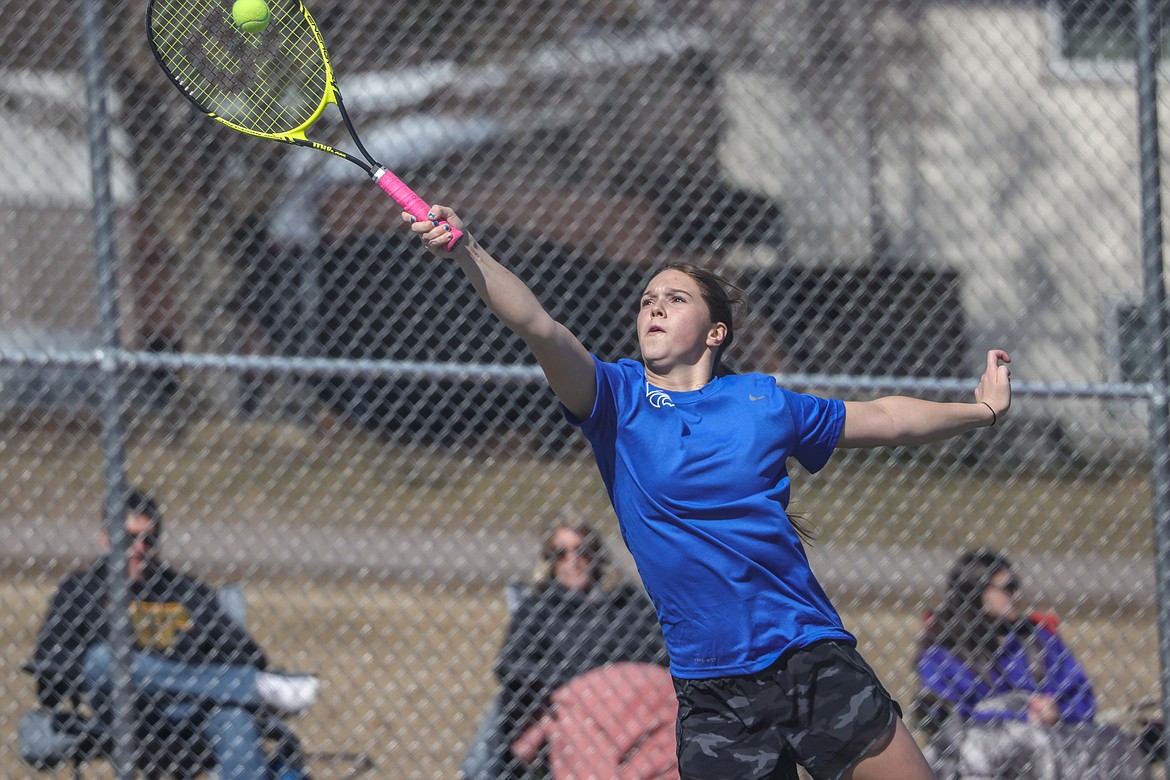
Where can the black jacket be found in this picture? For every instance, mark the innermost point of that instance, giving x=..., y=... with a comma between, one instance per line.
x=557, y=634
x=172, y=616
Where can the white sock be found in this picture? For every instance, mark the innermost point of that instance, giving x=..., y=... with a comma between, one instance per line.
x=291, y=694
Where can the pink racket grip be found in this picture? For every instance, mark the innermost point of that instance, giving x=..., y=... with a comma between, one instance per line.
x=412, y=204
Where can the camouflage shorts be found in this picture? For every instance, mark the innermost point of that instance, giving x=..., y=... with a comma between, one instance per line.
x=821, y=707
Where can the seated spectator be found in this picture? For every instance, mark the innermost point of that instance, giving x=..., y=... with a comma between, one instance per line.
x=1004, y=693
x=568, y=623
x=194, y=669
x=980, y=646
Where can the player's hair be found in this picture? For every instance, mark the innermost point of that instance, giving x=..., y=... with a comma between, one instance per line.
x=722, y=299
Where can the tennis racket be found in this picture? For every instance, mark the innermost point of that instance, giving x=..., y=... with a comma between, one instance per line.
x=272, y=84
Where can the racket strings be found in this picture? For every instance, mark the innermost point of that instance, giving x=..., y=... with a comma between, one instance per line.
x=272, y=83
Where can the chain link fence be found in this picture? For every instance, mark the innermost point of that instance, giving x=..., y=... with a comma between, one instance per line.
x=329, y=417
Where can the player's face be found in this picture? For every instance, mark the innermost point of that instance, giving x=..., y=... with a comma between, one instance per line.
x=674, y=323
x=1001, y=596
x=572, y=560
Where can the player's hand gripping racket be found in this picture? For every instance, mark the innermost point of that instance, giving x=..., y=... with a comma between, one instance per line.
x=274, y=83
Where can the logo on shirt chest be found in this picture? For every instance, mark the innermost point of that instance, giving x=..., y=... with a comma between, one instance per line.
x=657, y=398
x=157, y=626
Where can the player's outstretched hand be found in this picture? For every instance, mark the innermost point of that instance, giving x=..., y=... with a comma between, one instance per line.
x=995, y=387
x=436, y=236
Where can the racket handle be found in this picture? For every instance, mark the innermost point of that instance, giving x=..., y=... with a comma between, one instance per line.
x=412, y=204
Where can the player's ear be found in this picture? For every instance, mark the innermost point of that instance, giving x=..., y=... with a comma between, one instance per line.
x=717, y=334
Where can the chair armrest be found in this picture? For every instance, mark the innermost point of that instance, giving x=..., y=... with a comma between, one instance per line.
x=527, y=746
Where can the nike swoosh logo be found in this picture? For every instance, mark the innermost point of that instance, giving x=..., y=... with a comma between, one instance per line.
x=755, y=397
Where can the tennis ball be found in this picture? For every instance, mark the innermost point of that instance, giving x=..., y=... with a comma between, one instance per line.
x=251, y=16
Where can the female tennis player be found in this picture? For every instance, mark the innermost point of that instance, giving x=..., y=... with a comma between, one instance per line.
x=695, y=461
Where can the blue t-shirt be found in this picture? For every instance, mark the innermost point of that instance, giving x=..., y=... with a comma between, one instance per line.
x=699, y=482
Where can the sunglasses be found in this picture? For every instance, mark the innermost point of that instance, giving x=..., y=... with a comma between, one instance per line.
x=1011, y=587
x=148, y=539
x=562, y=552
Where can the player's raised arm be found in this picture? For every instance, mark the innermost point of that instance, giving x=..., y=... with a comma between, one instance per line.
x=566, y=363
x=898, y=420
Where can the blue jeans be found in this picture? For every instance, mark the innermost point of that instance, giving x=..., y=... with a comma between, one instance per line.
x=484, y=755
x=216, y=701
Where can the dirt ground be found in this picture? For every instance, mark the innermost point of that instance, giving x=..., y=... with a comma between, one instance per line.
x=407, y=666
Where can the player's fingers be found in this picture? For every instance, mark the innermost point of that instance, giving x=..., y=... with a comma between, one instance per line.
x=424, y=225
x=437, y=237
x=994, y=356
x=995, y=388
x=418, y=227
x=441, y=213
x=998, y=372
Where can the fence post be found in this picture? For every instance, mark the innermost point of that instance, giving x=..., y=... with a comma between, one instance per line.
x=1155, y=306
x=112, y=391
